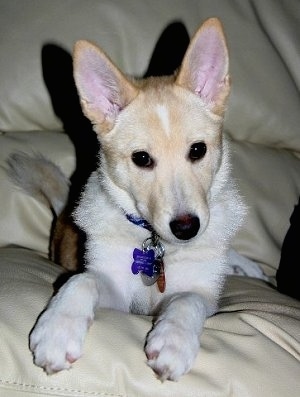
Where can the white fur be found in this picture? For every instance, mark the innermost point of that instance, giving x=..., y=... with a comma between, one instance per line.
x=163, y=114
x=175, y=185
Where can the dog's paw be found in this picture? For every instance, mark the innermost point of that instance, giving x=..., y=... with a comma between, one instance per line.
x=171, y=350
x=56, y=340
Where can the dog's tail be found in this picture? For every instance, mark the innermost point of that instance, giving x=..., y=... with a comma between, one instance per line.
x=40, y=178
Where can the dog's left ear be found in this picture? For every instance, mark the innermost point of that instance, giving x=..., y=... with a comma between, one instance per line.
x=205, y=67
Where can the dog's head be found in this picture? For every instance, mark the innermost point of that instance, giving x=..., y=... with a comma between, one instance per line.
x=161, y=138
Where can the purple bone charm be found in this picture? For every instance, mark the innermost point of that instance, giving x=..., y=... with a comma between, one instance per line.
x=144, y=261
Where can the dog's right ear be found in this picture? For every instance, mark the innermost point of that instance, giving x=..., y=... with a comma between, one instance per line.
x=103, y=90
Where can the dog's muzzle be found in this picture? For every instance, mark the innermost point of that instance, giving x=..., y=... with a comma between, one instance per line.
x=185, y=227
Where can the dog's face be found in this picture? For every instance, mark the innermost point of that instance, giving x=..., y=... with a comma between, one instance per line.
x=163, y=152
x=161, y=140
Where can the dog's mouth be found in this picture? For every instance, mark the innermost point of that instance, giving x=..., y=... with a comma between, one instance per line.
x=185, y=227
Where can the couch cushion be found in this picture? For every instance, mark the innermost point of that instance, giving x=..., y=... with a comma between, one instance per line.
x=269, y=181
x=250, y=348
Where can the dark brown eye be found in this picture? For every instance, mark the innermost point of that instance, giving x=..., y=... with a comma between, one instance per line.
x=197, y=151
x=142, y=159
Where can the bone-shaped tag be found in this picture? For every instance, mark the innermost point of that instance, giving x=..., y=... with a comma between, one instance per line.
x=143, y=262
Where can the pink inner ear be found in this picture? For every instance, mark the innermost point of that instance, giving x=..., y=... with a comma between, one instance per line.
x=209, y=64
x=96, y=82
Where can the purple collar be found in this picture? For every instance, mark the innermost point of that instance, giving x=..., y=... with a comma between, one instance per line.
x=139, y=222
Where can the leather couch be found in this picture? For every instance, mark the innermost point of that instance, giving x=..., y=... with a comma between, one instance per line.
x=251, y=347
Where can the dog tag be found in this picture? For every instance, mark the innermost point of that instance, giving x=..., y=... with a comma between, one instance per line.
x=148, y=262
x=161, y=280
x=143, y=262
x=150, y=280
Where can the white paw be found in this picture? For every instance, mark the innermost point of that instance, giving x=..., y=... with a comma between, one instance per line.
x=56, y=340
x=171, y=349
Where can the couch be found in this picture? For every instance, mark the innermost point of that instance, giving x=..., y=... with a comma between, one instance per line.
x=251, y=347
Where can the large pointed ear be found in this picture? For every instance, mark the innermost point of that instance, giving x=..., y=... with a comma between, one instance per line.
x=205, y=67
x=103, y=90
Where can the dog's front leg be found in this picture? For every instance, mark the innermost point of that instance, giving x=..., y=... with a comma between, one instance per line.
x=173, y=342
x=57, y=338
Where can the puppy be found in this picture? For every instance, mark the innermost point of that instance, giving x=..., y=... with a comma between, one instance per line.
x=159, y=212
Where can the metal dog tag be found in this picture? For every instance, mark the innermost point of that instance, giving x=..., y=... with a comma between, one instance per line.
x=150, y=280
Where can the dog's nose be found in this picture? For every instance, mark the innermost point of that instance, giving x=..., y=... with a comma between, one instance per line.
x=185, y=227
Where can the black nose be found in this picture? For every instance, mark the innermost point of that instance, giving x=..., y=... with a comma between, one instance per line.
x=185, y=227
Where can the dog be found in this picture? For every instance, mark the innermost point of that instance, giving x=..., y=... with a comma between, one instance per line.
x=159, y=212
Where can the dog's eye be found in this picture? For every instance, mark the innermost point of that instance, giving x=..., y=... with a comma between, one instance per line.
x=197, y=151
x=142, y=159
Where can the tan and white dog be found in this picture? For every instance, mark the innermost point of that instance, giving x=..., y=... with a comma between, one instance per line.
x=160, y=211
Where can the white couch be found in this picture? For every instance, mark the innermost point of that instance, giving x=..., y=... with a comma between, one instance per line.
x=252, y=346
